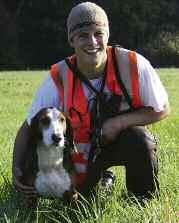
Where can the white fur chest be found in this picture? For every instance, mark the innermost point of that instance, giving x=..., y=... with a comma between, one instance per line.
x=52, y=179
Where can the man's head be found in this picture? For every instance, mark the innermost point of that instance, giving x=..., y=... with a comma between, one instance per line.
x=83, y=15
x=88, y=33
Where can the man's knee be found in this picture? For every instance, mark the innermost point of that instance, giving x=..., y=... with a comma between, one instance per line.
x=145, y=148
x=140, y=141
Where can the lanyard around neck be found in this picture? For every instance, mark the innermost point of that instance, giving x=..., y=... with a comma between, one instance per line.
x=84, y=79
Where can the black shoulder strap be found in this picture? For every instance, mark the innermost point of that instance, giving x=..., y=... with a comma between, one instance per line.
x=118, y=77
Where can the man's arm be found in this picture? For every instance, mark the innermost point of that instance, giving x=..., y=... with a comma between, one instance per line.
x=20, y=145
x=154, y=99
x=20, y=152
x=143, y=116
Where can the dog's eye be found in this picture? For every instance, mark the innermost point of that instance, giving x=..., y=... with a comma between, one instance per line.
x=45, y=121
x=62, y=119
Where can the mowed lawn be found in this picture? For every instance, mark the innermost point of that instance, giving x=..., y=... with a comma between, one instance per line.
x=16, y=92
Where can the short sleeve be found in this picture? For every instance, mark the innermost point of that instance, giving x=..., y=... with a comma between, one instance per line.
x=152, y=91
x=46, y=96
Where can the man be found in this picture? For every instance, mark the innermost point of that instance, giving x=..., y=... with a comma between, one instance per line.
x=73, y=84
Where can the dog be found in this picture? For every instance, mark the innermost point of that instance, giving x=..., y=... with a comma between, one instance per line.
x=52, y=138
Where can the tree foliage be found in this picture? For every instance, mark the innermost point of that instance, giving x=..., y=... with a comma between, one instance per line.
x=34, y=32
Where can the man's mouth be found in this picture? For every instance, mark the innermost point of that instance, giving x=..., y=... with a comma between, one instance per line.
x=92, y=51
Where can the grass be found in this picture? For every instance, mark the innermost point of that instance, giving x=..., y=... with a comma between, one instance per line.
x=16, y=92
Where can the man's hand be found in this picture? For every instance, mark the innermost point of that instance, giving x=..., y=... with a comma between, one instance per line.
x=110, y=129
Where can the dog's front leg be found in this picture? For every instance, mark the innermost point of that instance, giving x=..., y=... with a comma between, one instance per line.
x=71, y=195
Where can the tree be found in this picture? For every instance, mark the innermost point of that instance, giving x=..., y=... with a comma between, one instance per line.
x=34, y=32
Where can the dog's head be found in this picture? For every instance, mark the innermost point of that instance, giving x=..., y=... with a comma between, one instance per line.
x=50, y=127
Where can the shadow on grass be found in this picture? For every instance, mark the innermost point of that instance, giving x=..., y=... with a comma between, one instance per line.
x=13, y=209
x=11, y=205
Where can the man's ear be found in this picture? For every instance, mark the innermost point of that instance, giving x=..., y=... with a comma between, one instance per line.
x=70, y=40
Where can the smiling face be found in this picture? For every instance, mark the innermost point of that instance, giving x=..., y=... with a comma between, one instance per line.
x=90, y=46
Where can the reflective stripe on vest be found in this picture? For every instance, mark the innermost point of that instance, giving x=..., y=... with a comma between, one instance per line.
x=127, y=64
x=134, y=79
x=81, y=127
x=58, y=82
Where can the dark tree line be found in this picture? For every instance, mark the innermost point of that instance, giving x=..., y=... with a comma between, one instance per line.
x=33, y=32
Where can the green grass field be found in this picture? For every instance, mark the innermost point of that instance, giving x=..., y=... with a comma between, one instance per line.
x=16, y=92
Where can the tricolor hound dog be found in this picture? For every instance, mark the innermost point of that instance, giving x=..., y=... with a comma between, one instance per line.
x=54, y=143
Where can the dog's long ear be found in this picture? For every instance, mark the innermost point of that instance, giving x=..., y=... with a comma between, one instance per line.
x=31, y=163
x=34, y=128
x=69, y=147
x=69, y=134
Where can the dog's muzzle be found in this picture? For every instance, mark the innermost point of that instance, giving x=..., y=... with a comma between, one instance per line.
x=56, y=138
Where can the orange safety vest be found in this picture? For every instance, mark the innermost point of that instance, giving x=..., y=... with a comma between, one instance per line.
x=63, y=78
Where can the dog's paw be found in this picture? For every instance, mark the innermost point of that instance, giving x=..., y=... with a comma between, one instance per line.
x=70, y=196
x=74, y=197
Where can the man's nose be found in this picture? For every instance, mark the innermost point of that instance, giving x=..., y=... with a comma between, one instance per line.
x=92, y=39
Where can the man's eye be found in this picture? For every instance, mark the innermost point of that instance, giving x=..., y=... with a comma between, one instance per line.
x=83, y=35
x=45, y=121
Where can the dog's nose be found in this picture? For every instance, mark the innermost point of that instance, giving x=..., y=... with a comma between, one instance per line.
x=56, y=138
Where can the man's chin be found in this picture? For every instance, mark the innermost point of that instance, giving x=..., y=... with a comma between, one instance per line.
x=93, y=60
